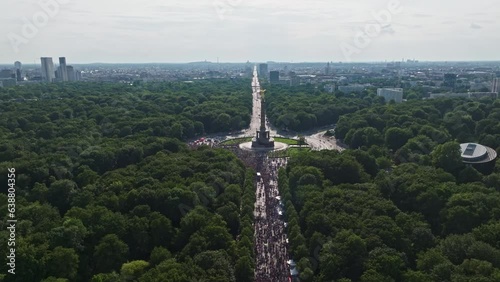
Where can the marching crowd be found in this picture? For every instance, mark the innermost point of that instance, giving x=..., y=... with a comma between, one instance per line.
x=270, y=236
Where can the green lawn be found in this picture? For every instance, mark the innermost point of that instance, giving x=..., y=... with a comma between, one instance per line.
x=286, y=141
x=290, y=152
x=236, y=141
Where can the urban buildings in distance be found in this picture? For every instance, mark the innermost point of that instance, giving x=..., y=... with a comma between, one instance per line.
x=62, y=73
x=274, y=77
x=470, y=95
x=495, y=87
x=263, y=71
x=420, y=80
x=9, y=77
x=389, y=94
x=18, y=69
x=353, y=88
x=48, y=74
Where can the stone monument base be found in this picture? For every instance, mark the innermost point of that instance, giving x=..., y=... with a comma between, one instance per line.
x=248, y=146
x=263, y=143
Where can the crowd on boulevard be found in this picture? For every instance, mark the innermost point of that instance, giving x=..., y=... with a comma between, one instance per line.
x=270, y=236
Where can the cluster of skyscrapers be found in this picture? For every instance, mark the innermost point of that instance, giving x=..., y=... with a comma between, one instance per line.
x=62, y=73
x=9, y=77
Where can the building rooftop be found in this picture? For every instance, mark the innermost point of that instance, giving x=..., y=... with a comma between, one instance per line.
x=473, y=153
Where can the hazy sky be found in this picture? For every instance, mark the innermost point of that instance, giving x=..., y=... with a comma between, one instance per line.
x=256, y=30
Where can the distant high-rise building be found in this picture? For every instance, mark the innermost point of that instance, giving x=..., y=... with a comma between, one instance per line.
x=274, y=76
x=6, y=73
x=17, y=68
x=263, y=70
x=495, y=87
x=48, y=73
x=78, y=75
x=449, y=80
x=389, y=94
x=328, y=69
x=63, y=71
x=248, y=69
x=71, y=73
x=19, y=76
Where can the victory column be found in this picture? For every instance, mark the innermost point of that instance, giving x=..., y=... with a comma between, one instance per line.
x=262, y=138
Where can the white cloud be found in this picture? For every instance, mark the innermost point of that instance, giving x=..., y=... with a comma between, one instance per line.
x=475, y=26
x=188, y=30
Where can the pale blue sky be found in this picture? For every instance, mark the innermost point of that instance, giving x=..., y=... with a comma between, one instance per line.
x=255, y=30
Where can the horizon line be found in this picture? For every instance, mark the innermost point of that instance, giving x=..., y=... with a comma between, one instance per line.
x=276, y=62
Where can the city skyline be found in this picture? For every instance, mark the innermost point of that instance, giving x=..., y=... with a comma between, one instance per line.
x=36, y=62
x=237, y=31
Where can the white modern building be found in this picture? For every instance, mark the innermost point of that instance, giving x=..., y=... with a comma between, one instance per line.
x=389, y=94
x=48, y=73
x=473, y=153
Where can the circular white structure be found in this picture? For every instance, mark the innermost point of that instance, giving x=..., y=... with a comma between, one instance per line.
x=278, y=146
x=473, y=153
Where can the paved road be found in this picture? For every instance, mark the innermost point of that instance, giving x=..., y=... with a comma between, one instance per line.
x=255, y=120
x=271, y=248
x=320, y=142
x=316, y=140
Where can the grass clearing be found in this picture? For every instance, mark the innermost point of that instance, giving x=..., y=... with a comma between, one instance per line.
x=290, y=152
x=236, y=141
x=287, y=141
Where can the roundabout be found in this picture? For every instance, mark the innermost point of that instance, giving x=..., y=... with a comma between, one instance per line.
x=278, y=146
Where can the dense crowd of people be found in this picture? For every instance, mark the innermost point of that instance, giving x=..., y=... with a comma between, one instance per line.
x=210, y=142
x=249, y=158
x=270, y=237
